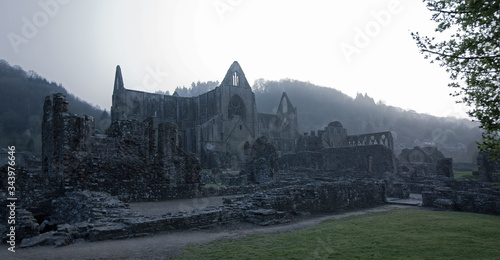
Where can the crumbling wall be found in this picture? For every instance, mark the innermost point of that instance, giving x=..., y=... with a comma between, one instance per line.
x=489, y=170
x=319, y=197
x=262, y=164
x=427, y=161
x=382, y=138
x=464, y=195
x=301, y=160
x=310, y=142
x=98, y=216
x=373, y=161
x=135, y=159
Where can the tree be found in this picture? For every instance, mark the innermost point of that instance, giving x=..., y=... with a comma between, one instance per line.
x=472, y=57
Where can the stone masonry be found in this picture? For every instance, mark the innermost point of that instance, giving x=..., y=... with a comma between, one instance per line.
x=134, y=159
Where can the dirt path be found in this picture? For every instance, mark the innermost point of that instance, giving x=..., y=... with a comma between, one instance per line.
x=174, y=206
x=167, y=245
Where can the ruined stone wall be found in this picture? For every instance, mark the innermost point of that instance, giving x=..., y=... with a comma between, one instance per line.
x=135, y=160
x=463, y=195
x=98, y=216
x=310, y=142
x=374, y=161
x=489, y=170
x=215, y=125
x=321, y=197
x=262, y=164
x=427, y=161
x=282, y=128
x=334, y=135
x=301, y=160
x=382, y=138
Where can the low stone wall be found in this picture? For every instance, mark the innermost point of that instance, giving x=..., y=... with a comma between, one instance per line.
x=464, y=195
x=318, y=197
x=99, y=216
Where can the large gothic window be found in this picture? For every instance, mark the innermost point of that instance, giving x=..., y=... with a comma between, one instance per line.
x=236, y=107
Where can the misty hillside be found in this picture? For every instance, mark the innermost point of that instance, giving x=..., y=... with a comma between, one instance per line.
x=21, y=107
x=317, y=106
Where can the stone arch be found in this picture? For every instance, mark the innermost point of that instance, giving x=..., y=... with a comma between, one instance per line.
x=236, y=107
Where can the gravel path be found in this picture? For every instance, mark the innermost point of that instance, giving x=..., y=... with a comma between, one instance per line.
x=167, y=245
x=174, y=206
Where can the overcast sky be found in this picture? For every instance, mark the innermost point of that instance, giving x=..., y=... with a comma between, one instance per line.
x=353, y=46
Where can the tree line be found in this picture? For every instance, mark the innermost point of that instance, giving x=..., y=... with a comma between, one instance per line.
x=21, y=107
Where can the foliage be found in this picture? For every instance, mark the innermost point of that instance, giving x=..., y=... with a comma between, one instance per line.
x=471, y=54
x=196, y=89
x=21, y=107
x=408, y=234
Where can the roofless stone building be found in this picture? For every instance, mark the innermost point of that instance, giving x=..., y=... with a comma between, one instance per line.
x=218, y=126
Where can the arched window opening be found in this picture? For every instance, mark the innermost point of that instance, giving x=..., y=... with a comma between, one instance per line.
x=235, y=79
x=236, y=107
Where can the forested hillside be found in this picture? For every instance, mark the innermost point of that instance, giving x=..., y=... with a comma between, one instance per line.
x=21, y=107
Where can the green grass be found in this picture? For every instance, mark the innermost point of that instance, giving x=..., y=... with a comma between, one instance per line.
x=213, y=185
x=408, y=234
x=467, y=175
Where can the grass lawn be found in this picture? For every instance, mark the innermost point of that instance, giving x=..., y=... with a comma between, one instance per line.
x=467, y=175
x=399, y=234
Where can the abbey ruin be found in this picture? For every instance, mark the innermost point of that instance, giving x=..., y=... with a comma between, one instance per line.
x=217, y=126
x=165, y=147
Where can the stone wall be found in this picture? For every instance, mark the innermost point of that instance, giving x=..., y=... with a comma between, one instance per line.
x=464, y=195
x=374, y=161
x=262, y=164
x=489, y=170
x=382, y=138
x=135, y=160
x=98, y=216
x=318, y=197
x=215, y=125
x=426, y=161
